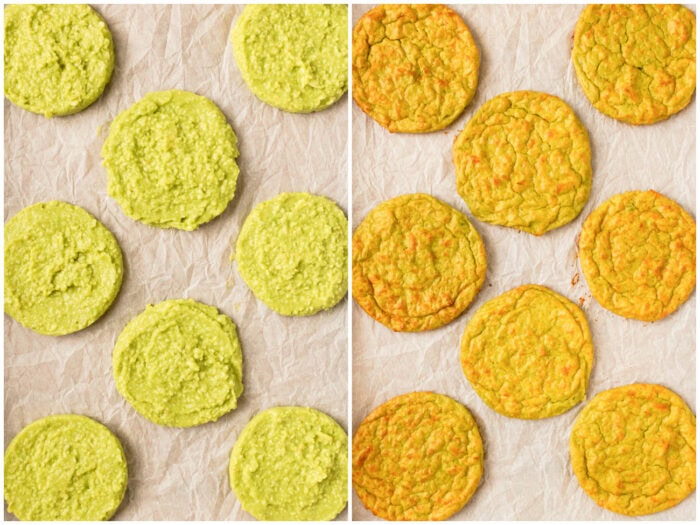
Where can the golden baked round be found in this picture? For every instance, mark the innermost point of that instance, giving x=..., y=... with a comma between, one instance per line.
x=637, y=253
x=524, y=161
x=528, y=353
x=417, y=457
x=633, y=449
x=636, y=63
x=414, y=67
x=417, y=263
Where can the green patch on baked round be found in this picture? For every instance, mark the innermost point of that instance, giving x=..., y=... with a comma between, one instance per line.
x=65, y=467
x=171, y=160
x=292, y=253
x=291, y=464
x=179, y=363
x=63, y=268
x=293, y=56
x=58, y=58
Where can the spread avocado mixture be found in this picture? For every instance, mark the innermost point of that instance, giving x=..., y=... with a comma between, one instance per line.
x=292, y=253
x=58, y=58
x=63, y=268
x=65, y=467
x=179, y=363
x=171, y=160
x=293, y=56
x=290, y=464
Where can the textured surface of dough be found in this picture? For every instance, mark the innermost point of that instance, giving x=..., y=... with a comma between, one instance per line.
x=293, y=56
x=636, y=63
x=524, y=161
x=528, y=353
x=179, y=363
x=637, y=253
x=417, y=263
x=417, y=457
x=291, y=464
x=414, y=67
x=63, y=268
x=171, y=160
x=64, y=467
x=58, y=58
x=292, y=253
x=633, y=449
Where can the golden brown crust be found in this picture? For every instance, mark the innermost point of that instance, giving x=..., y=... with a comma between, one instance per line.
x=414, y=67
x=637, y=253
x=528, y=353
x=636, y=63
x=417, y=263
x=524, y=161
x=633, y=449
x=419, y=456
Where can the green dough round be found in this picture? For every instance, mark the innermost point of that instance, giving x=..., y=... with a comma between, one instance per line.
x=179, y=363
x=291, y=464
x=293, y=56
x=292, y=252
x=63, y=268
x=58, y=58
x=64, y=468
x=171, y=160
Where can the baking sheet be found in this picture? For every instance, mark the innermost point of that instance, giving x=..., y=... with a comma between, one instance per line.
x=177, y=474
x=527, y=471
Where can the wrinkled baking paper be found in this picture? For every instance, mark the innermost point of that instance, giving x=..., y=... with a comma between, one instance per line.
x=527, y=471
x=177, y=474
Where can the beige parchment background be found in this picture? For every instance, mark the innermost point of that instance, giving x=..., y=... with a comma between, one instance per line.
x=177, y=474
x=527, y=471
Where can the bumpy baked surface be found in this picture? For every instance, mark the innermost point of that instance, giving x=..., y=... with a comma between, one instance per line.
x=293, y=56
x=291, y=464
x=419, y=456
x=524, y=161
x=171, y=160
x=292, y=253
x=414, y=67
x=64, y=467
x=633, y=449
x=528, y=353
x=179, y=363
x=637, y=253
x=58, y=58
x=417, y=263
x=63, y=268
x=636, y=63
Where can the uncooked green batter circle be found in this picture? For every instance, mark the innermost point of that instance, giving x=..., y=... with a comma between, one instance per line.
x=179, y=363
x=291, y=464
x=292, y=252
x=64, y=467
x=63, y=268
x=293, y=56
x=171, y=160
x=58, y=58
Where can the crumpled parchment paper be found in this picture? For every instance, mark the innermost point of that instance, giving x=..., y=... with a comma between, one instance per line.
x=177, y=474
x=528, y=475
